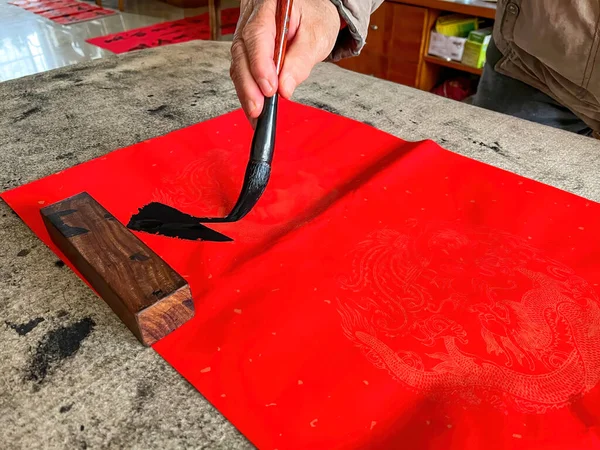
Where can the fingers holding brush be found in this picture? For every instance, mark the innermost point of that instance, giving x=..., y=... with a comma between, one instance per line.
x=252, y=67
x=248, y=91
x=313, y=29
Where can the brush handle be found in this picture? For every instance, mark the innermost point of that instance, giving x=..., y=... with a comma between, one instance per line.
x=263, y=141
x=282, y=21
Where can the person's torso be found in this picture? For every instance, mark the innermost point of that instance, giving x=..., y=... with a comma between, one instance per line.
x=554, y=45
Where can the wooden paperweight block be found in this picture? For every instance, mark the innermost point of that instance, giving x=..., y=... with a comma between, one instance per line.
x=141, y=288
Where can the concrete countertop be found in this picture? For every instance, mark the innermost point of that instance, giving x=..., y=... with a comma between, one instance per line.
x=72, y=376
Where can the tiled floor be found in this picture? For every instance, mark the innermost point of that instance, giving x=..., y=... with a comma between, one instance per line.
x=31, y=44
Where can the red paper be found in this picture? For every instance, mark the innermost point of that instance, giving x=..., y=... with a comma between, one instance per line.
x=69, y=11
x=183, y=30
x=84, y=16
x=45, y=7
x=382, y=294
x=63, y=11
x=26, y=4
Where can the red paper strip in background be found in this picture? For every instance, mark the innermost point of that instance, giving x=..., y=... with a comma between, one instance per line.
x=84, y=16
x=44, y=7
x=165, y=33
x=383, y=294
x=81, y=8
x=64, y=12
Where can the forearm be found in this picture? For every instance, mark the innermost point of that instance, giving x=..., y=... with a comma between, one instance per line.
x=352, y=37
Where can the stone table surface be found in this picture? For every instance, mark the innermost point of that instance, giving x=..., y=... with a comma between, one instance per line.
x=72, y=376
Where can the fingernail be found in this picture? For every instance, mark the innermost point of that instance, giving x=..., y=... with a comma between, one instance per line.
x=288, y=85
x=253, y=123
x=265, y=86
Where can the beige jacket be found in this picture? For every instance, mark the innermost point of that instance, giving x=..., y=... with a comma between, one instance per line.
x=552, y=45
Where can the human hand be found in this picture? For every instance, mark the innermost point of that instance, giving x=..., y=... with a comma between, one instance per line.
x=313, y=30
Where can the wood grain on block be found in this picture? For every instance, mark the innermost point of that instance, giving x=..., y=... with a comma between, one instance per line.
x=146, y=294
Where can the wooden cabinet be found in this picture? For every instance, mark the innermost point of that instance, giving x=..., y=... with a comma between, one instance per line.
x=394, y=44
x=398, y=41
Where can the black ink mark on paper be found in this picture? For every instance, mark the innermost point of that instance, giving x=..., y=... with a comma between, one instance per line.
x=164, y=220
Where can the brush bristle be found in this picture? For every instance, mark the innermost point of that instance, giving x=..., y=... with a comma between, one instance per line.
x=255, y=182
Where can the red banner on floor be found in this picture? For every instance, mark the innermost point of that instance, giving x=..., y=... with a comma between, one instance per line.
x=382, y=294
x=64, y=12
x=166, y=33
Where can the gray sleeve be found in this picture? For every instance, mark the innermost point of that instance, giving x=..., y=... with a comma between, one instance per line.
x=356, y=14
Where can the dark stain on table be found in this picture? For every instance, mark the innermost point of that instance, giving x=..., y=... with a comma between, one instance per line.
x=57, y=346
x=162, y=110
x=143, y=394
x=66, y=155
x=495, y=147
x=60, y=76
x=320, y=105
x=157, y=109
x=26, y=114
x=23, y=328
x=65, y=408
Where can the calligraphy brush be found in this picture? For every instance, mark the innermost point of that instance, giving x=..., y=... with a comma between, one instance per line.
x=162, y=219
x=258, y=170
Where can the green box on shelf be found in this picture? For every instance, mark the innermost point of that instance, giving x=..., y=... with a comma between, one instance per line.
x=456, y=25
x=476, y=47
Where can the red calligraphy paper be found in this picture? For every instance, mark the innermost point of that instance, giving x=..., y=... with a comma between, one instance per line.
x=69, y=11
x=382, y=294
x=64, y=12
x=165, y=33
x=90, y=14
x=54, y=6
